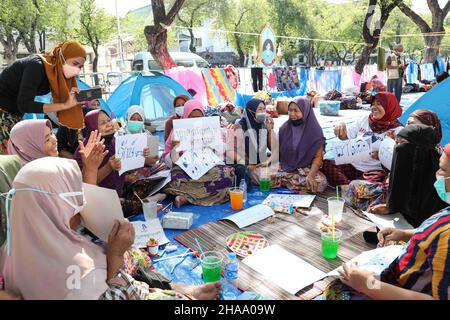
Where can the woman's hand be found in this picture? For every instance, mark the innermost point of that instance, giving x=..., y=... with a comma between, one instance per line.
x=121, y=238
x=7, y=295
x=357, y=278
x=388, y=235
x=175, y=144
x=341, y=131
x=72, y=100
x=115, y=163
x=391, y=134
x=381, y=209
x=149, y=160
x=95, y=157
x=311, y=183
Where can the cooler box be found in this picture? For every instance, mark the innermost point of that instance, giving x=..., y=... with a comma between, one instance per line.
x=329, y=108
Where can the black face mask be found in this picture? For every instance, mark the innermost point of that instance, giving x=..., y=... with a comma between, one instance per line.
x=108, y=138
x=297, y=122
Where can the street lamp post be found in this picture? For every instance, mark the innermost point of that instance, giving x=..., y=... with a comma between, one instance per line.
x=119, y=35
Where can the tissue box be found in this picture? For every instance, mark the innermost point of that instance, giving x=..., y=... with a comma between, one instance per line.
x=177, y=220
x=329, y=108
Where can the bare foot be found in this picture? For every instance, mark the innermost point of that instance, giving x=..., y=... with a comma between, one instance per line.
x=381, y=209
x=208, y=291
x=180, y=201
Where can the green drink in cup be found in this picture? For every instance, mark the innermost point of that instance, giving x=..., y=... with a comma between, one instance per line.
x=211, y=266
x=264, y=184
x=330, y=243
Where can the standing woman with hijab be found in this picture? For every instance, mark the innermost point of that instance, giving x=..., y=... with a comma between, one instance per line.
x=38, y=75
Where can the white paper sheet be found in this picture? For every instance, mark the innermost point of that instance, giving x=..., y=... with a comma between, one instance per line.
x=353, y=150
x=197, y=133
x=395, y=220
x=283, y=268
x=250, y=216
x=197, y=163
x=153, y=145
x=102, y=208
x=375, y=260
x=282, y=202
x=130, y=151
x=146, y=229
x=386, y=152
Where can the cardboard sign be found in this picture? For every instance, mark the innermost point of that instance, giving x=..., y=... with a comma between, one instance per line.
x=352, y=151
x=386, y=152
x=130, y=151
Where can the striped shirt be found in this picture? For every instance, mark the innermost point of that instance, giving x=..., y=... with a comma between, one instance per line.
x=424, y=264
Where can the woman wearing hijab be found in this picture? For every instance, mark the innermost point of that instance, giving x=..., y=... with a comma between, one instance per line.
x=135, y=180
x=46, y=244
x=413, y=175
x=108, y=172
x=429, y=118
x=178, y=103
x=302, y=146
x=211, y=188
x=384, y=115
x=38, y=75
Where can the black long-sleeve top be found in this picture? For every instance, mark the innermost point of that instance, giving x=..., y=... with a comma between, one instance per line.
x=20, y=83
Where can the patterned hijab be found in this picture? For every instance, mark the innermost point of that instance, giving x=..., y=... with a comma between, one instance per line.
x=429, y=118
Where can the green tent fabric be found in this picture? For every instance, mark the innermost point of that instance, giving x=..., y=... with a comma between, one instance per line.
x=381, y=59
x=9, y=167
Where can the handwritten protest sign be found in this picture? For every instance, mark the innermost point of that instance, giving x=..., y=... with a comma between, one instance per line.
x=197, y=163
x=197, y=133
x=353, y=150
x=130, y=151
x=386, y=152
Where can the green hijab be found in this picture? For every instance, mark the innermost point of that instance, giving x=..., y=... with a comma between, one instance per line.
x=9, y=166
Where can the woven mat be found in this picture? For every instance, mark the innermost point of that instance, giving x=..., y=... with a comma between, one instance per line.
x=298, y=234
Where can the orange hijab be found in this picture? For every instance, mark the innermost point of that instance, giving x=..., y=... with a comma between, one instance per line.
x=60, y=86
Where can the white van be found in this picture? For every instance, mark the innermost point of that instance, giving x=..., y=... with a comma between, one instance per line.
x=144, y=61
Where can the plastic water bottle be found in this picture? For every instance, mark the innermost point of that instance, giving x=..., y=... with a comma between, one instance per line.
x=231, y=270
x=243, y=186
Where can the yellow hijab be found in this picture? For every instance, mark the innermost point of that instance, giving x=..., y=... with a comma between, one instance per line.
x=60, y=86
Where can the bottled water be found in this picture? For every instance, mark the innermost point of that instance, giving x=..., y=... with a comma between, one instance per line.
x=229, y=287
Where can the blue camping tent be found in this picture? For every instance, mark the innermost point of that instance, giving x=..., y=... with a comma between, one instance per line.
x=437, y=100
x=154, y=92
x=48, y=99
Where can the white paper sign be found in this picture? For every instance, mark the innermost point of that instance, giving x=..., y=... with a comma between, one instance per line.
x=353, y=150
x=130, y=151
x=376, y=260
x=197, y=163
x=395, y=220
x=386, y=152
x=251, y=215
x=283, y=268
x=101, y=210
x=197, y=133
x=146, y=229
x=153, y=145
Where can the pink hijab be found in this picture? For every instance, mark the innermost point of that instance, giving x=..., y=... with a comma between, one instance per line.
x=189, y=107
x=45, y=252
x=27, y=139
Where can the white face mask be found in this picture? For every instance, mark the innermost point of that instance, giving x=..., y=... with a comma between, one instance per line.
x=179, y=111
x=68, y=70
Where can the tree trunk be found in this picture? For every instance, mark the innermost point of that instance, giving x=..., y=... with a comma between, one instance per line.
x=432, y=45
x=10, y=47
x=192, y=44
x=157, y=45
x=239, y=50
x=363, y=59
x=41, y=41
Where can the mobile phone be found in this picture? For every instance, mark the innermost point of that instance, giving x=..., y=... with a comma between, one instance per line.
x=89, y=94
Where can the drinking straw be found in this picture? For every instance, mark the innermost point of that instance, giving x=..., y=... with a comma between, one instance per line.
x=172, y=257
x=199, y=246
x=337, y=192
x=138, y=197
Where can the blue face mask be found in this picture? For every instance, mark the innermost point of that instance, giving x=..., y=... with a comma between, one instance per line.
x=135, y=126
x=63, y=196
x=441, y=190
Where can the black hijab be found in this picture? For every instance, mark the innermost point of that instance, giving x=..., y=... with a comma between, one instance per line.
x=414, y=166
x=252, y=138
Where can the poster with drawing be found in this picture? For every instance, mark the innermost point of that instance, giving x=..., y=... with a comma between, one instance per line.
x=197, y=133
x=197, y=163
x=386, y=152
x=130, y=151
x=353, y=150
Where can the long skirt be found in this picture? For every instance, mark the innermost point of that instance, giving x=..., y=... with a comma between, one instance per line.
x=210, y=189
x=294, y=181
x=362, y=194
